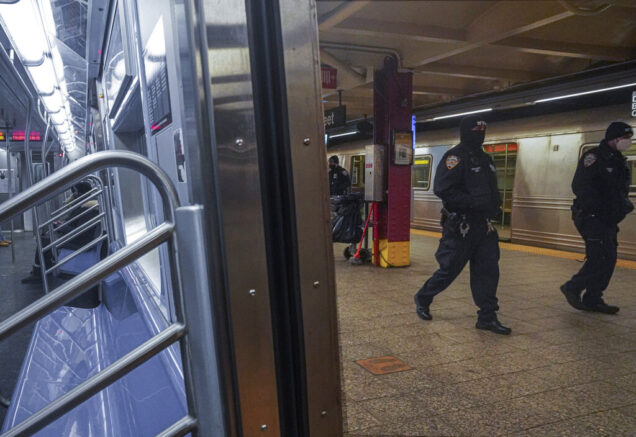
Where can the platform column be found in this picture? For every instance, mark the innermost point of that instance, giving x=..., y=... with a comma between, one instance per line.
x=392, y=111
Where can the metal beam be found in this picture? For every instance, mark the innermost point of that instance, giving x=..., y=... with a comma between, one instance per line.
x=339, y=14
x=568, y=49
x=347, y=77
x=471, y=72
x=383, y=29
x=503, y=20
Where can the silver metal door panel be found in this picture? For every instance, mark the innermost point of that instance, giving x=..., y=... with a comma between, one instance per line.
x=228, y=63
x=301, y=52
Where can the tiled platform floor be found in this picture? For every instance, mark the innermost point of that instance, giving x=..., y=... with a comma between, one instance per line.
x=562, y=372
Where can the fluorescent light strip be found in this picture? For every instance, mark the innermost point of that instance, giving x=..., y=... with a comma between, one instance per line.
x=585, y=92
x=462, y=113
x=343, y=135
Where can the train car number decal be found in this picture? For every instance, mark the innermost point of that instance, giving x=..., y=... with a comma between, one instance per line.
x=452, y=161
x=589, y=159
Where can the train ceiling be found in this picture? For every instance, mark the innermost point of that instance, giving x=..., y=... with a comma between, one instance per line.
x=457, y=49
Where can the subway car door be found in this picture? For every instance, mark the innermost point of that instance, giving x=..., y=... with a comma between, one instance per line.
x=254, y=138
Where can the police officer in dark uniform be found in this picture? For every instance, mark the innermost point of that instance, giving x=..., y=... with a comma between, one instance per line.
x=339, y=180
x=466, y=182
x=601, y=185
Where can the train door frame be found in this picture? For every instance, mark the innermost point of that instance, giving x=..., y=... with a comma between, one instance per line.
x=503, y=226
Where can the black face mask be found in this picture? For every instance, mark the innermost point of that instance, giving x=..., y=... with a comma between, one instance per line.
x=468, y=135
x=332, y=165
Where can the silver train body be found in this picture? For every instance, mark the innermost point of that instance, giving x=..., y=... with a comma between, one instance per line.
x=534, y=177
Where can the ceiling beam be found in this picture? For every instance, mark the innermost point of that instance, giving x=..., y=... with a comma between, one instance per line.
x=502, y=20
x=437, y=91
x=340, y=13
x=471, y=72
x=568, y=49
x=413, y=32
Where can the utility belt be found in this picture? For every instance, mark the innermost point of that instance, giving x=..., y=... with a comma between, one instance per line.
x=456, y=221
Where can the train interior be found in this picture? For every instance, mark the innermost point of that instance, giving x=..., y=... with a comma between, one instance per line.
x=168, y=258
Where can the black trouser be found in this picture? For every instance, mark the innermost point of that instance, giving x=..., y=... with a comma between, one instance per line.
x=600, y=251
x=481, y=248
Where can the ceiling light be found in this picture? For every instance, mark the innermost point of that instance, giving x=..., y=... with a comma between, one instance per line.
x=24, y=27
x=346, y=134
x=462, y=113
x=58, y=118
x=549, y=99
x=43, y=77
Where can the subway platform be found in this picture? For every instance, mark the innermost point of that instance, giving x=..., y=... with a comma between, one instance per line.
x=562, y=372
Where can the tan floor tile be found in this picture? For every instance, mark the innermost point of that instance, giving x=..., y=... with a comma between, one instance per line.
x=357, y=418
x=606, y=424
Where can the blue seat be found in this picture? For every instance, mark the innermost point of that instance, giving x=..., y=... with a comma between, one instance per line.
x=72, y=344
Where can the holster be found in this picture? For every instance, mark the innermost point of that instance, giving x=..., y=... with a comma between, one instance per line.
x=450, y=219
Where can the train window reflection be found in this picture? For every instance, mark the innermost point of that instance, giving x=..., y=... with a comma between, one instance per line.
x=422, y=172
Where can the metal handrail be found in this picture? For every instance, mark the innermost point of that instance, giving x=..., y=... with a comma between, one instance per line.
x=74, y=232
x=164, y=232
x=71, y=206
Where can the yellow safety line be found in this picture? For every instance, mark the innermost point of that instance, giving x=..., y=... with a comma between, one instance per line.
x=536, y=250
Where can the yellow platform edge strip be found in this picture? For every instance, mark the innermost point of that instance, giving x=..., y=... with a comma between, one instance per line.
x=624, y=263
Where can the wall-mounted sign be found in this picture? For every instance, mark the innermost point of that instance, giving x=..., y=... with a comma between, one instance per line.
x=329, y=77
x=335, y=117
x=633, y=103
x=157, y=79
x=402, y=147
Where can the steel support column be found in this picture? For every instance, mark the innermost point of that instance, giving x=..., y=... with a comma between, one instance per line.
x=392, y=110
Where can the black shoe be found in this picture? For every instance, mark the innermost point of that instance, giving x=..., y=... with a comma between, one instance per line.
x=602, y=307
x=494, y=326
x=423, y=311
x=573, y=299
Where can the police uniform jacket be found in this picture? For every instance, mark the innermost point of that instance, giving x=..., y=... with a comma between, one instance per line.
x=339, y=181
x=466, y=181
x=601, y=185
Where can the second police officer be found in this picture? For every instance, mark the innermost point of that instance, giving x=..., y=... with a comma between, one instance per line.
x=339, y=180
x=601, y=185
x=466, y=182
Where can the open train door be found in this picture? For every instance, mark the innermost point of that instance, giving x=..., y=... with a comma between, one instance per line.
x=255, y=107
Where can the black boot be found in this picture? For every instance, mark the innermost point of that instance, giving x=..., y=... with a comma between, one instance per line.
x=423, y=311
x=494, y=326
x=602, y=307
x=573, y=298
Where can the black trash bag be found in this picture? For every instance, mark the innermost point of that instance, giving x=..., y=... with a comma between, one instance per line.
x=346, y=224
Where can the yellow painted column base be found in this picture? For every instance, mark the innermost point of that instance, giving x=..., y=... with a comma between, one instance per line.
x=394, y=253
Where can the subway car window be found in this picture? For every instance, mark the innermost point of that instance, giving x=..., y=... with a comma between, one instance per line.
x=422, y=172
x=504, y=156
x=357, y=171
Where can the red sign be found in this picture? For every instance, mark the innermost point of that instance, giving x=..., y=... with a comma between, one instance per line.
x=18, y=135
x=512, y=147
x=329, y=77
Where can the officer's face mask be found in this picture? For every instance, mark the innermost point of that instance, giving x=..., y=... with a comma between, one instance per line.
x=472, y=131
x=624, y=144
x=332, y=165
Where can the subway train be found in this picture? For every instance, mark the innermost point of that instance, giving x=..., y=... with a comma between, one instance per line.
x=535, y=159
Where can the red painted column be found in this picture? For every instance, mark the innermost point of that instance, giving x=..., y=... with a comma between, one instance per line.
x=392, y=110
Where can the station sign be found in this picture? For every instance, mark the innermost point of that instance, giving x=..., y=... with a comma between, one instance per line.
x=335, y=117
x=633, y=103
x=329, y=77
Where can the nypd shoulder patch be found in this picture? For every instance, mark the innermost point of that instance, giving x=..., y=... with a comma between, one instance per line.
x=452, y=161
x=589, y=159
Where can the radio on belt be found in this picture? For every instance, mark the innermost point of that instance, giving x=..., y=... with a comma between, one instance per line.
x=374, y=171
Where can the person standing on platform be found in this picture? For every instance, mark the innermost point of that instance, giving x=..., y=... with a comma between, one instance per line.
x=466, y=181
x=339, y=180
x=601, y=185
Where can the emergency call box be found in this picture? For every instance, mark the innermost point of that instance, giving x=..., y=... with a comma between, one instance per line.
x=374, y=173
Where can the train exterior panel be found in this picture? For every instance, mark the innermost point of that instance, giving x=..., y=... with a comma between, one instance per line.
x=535, y=158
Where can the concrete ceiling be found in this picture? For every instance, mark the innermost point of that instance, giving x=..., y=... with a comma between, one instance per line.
x=460, y=48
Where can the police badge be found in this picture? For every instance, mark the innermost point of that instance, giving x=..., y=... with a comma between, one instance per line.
x=452, y=161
